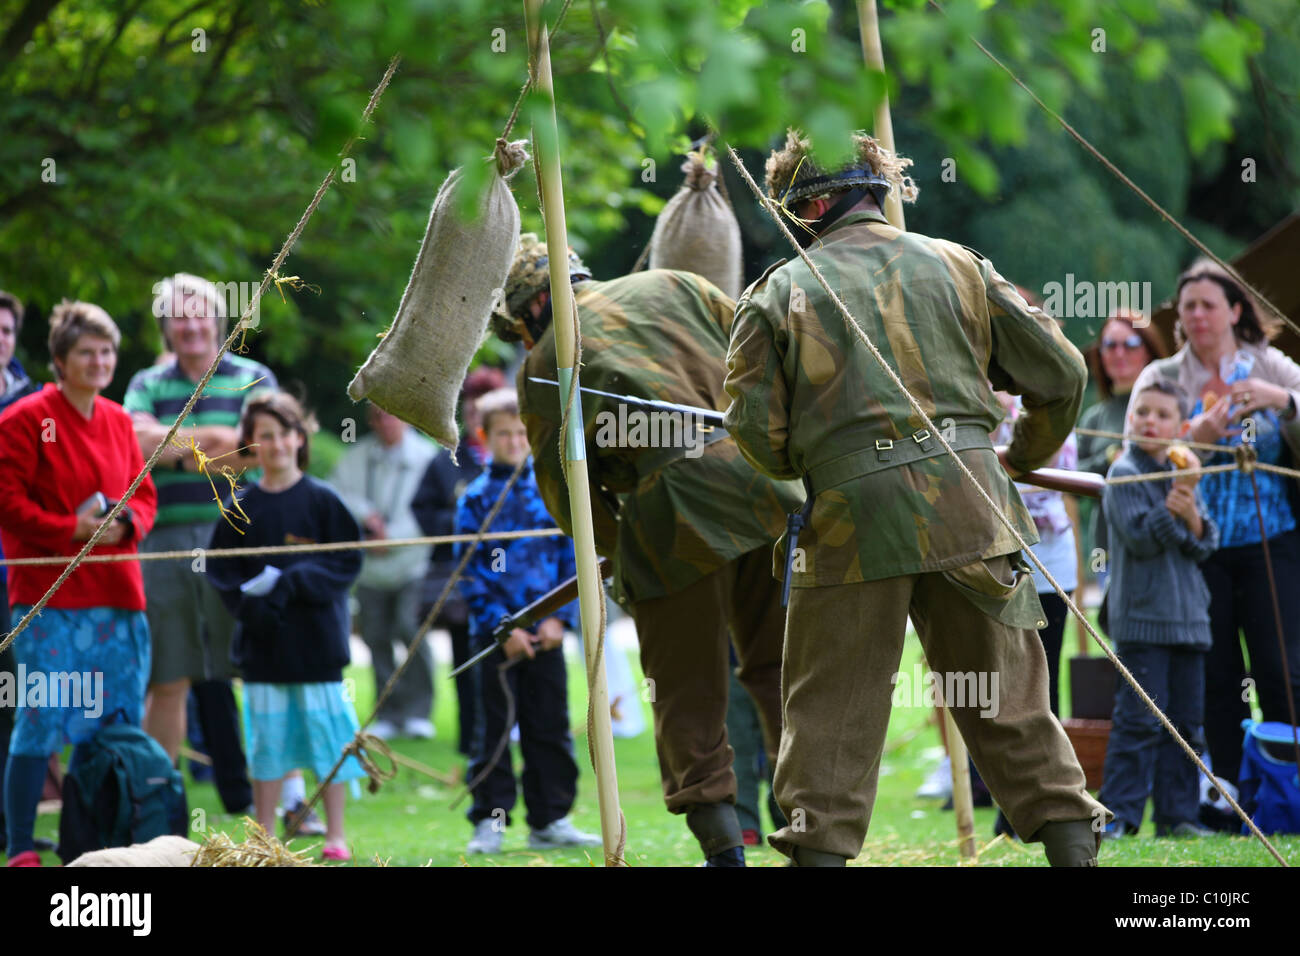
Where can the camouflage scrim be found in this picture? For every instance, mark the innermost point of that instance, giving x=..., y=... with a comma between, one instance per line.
x=805, y=391
x=658, y=335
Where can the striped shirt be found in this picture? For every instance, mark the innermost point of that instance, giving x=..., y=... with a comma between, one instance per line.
x=162, y=391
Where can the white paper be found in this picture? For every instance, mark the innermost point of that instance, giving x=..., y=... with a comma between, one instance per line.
x=263, y=583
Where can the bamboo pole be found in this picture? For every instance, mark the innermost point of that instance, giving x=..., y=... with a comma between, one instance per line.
x=873, y=55
x=546, y=142
x=869, y=31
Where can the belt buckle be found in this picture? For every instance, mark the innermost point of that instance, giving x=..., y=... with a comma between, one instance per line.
x=922, y=436
x=884, y=444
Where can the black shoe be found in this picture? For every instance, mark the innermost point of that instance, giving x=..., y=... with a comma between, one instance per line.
x=733, y=857
x=311, y=825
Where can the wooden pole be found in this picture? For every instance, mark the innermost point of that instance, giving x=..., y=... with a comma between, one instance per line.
x=873, y=55
x=546, y=142
x=869, y=31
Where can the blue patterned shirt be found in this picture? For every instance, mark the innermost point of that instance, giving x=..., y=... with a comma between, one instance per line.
x=1229, y=496
x=504, y=576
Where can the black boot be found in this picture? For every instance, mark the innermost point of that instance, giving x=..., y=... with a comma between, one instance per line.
x=1070, y=843
x=717, y=828
x=804, y=856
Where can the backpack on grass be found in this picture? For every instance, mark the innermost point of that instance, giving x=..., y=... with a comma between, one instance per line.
x=1270, y=786
x=123, y=790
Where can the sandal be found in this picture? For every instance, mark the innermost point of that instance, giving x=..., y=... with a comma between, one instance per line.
x=336, y=854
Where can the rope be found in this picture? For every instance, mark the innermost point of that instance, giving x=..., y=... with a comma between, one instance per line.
x=771, y=207
x=359, y=739
x=528, y=84
x=363, y=545
x=360, y=747
x=238, y=332
x=1118, y=173
x=1245, y=464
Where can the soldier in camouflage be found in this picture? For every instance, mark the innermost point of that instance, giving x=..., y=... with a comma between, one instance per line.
x=686, y=520
x=894, y=528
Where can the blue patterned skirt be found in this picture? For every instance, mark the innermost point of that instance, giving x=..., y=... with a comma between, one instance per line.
x=76, y=668
x=288, y=726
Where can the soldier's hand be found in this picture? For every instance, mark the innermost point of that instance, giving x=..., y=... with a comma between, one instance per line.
x=550, y=633
x=1002, y=457
x=519, y=644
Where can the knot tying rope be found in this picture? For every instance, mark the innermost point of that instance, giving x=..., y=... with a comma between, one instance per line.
x=510, y=156
x=1246, y=457
x=360, y=747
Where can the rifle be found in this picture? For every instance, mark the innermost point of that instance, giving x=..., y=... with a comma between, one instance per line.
x=1053, y=479
x=538, y=610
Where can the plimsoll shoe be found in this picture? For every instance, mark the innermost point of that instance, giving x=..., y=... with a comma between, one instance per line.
x=486, y=838
x=560, y=833
x=1183, y=830
x=419, y=728
x=937, y=786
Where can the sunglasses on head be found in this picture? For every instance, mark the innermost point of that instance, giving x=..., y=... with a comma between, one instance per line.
x=1131, y=342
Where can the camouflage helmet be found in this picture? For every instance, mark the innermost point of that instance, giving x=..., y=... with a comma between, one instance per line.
x=793, y=176
x=529, y=274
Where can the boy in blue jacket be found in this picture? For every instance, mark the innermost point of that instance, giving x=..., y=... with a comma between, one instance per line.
x=1158, y=609
x=502, y=577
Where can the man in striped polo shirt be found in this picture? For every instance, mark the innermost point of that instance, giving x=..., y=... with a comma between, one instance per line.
x=191, y=629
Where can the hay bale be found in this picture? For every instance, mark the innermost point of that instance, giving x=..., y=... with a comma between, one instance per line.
x=160, y=851
x=697, y=231
x=416, y=371
x=258, y=849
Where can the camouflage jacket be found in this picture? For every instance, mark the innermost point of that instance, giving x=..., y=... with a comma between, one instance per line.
x=807, y=393
x=656, y=335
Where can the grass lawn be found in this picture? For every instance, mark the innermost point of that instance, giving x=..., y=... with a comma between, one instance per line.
x=409, y=823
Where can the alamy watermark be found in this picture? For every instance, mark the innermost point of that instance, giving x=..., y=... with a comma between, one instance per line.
x=237, y=297
x=639, y=428
x=951, y=689
x=83, y=690
x=1097, y=300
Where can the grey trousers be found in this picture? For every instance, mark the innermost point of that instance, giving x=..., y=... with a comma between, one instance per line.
x=388, y=618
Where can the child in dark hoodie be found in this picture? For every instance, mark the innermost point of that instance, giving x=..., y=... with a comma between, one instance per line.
x=1158, y=609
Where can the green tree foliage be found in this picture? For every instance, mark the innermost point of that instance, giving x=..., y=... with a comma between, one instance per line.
x=189, y=135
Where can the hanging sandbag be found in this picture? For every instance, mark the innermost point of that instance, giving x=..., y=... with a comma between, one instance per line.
x=416, y=371
x=697, y=231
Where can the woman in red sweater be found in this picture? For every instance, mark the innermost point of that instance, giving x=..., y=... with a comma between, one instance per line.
x=85, y=658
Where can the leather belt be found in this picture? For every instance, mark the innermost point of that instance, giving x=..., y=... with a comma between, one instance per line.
x=890, y=453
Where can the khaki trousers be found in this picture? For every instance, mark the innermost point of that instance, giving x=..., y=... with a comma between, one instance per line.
x=842, y=650
x=684, y=652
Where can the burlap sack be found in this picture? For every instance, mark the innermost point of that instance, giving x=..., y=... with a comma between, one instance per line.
x=161, y=851
x=417, y=369
x=698, y=232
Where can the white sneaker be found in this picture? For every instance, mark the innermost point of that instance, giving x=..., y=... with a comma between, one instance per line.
x=420, y=728
x=561, y=833
x=486, y=839
x=938, y=786
x=383, y=729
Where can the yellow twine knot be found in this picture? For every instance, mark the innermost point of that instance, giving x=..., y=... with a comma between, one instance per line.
x=201, y=462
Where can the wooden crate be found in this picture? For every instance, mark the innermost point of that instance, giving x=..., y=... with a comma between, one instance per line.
x=1089, y=738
